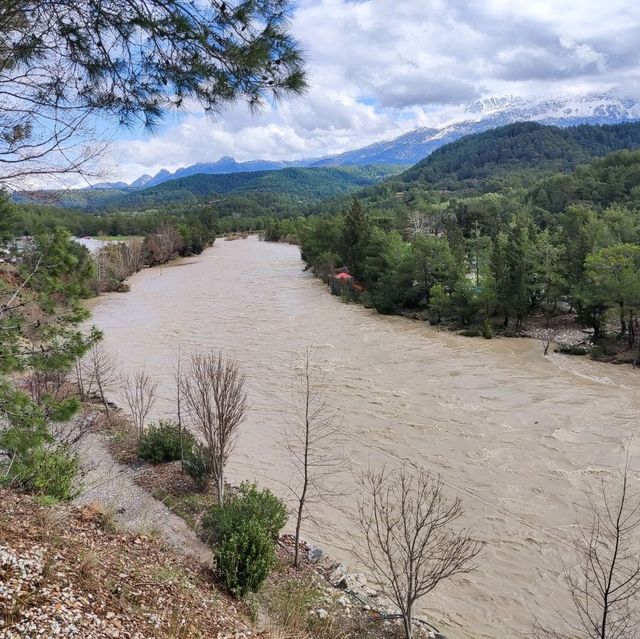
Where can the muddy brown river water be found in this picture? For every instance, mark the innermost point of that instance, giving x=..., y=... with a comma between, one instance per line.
x=523, y=438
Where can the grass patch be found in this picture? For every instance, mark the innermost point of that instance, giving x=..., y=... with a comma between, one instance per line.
x=191, y=507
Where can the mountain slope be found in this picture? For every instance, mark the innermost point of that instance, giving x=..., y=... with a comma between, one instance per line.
x=301, y=184
x=593, y=108
x=224, y=165
x=516, y=155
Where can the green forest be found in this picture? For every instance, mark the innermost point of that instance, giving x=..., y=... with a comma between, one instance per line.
x=525, y=221
x=445, y=241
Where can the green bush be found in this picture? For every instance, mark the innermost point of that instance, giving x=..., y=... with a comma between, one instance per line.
x=197, y=465
x=245, y=557
x=161, y=442
x=49, y=471
x=247, y=504
x=487, y=328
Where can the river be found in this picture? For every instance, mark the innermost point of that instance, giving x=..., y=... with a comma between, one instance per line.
x=524, y=438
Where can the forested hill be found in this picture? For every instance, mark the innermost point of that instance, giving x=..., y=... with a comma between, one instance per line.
x=285, y=189
x=516, y=155
x=613, y=180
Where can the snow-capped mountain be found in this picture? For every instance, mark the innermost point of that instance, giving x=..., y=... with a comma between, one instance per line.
x=410, y=148
x=489, y=113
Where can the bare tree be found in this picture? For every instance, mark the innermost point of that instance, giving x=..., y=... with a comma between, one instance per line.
x=417, y=223
x=604, y=582
x=178, y=374
x=97, y=374
x=311, y=432
x=215, y=397
x=140, y=394
x=410, y=547
x=71, y=432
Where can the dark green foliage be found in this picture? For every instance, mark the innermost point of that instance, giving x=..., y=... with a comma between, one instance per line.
x=248, y=503
x=165, y=442
x=48, y=470
x=243, y=531
x=245, y=557
x=197, y=465
x=570, y=240
x=51, y=274
x=85, y=59
x=518, y=154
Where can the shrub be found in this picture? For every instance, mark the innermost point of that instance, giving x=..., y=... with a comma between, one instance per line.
x=164, y=442
x=247, y=504
x=487, y=328
x=245, y=557
x=197, y=465
x=49, y=471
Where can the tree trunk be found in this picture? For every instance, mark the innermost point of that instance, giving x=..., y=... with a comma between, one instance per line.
x=623, y=324
x=296, y=557
x=408, y=622
x=220, y=487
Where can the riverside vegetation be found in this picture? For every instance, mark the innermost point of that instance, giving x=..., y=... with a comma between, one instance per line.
x=54, y=391
x=524, y=227
x=474, y=237
x=40, y=307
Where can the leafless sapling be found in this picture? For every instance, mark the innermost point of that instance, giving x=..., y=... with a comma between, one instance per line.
x=410, y=546
x=140, y=394
x=311, y=435
x=603, y=580
x=216, y=401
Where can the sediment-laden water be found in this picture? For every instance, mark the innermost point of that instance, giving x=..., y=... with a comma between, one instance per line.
x=523, y=438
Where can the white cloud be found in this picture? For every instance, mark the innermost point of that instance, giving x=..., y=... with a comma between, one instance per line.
x=381, y=67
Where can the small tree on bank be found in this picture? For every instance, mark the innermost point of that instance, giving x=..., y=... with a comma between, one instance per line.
x=140, y=394
x=409, y=545
x=604, y=582
x=214, y=393
x=311, y=433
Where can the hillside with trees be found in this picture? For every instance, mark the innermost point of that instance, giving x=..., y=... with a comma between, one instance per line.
x=567, y=249
x=516, y=155
x=287, y=188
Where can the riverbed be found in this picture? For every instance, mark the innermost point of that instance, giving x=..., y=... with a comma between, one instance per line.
x=524, y=439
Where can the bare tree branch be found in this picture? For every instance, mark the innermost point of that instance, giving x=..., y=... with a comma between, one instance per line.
x=214, y=393
x=409, y=544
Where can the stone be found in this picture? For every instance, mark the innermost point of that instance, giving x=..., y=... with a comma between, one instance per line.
x=356, y=582
x=322, y=613
x=338, y=578
x=344, y=601
x=315, y=554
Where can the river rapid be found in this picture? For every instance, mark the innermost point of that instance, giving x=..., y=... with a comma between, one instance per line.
x=523, y=438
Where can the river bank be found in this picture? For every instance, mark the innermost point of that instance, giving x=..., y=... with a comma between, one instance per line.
x=520, y=437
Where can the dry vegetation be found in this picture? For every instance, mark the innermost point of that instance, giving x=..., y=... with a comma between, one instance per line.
x=74, y=574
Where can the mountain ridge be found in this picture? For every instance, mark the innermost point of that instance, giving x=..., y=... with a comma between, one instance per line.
x=414, y=146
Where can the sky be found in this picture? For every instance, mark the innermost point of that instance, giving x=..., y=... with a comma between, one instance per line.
x=379, y=68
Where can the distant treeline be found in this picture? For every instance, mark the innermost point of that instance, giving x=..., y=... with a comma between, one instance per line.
x=568, y=241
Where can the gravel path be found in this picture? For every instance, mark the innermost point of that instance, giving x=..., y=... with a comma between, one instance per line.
x=112, y=484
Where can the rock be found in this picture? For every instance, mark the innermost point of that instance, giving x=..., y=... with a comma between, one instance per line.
x=322, y=613
x=111, y=615
x=315, y=554
x=338, y=578
x=344, y=601
x=357, y=582
x=371, y=592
